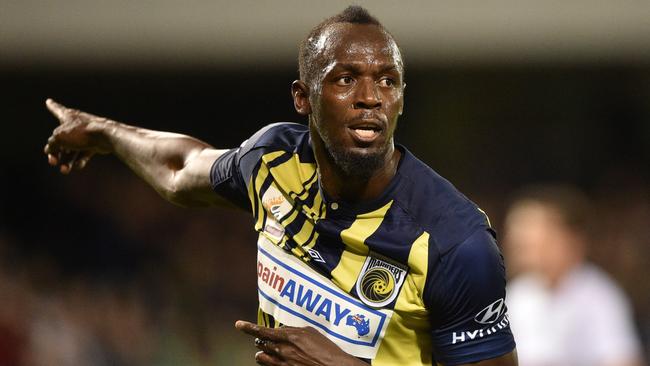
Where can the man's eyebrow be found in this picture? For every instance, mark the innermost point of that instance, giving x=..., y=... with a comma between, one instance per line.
x=349, y=66
x=357, y=67
x=388, y=67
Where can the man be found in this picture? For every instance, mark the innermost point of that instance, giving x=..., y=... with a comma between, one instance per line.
x=565, y=311
x=364, y=253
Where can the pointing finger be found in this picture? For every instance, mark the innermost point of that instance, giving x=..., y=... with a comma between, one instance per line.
x=56, y=109
x=276, y=334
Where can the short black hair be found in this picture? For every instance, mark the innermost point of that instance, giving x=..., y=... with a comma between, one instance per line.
x=307, y=65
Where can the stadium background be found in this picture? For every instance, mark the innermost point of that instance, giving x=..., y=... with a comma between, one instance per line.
x=502, y=94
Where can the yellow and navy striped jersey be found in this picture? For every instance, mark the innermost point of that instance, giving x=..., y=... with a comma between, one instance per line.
x=413, y=277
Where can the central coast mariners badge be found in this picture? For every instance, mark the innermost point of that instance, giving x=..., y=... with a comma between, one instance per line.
x=380, y=280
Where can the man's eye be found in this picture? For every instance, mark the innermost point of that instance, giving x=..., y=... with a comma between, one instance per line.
x=345, y=80
x=386, y=82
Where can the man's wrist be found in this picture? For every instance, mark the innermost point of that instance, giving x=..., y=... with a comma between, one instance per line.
x=104, y=133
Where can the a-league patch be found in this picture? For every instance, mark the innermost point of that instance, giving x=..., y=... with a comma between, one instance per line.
x=278, y=207
x=380, y=280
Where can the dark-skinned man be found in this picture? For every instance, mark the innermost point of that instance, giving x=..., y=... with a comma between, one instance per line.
x=365, y=254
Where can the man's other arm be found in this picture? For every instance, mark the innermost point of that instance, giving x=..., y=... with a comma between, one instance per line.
x=175, y=165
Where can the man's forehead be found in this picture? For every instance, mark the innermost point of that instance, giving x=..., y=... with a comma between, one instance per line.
x=344, y=40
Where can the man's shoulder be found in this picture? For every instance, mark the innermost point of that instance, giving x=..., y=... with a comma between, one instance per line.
x=279, y=135
x=436, y=204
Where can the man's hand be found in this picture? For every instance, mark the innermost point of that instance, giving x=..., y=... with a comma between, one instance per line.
x=176, y=166
x=77, y=138
x=293, y=346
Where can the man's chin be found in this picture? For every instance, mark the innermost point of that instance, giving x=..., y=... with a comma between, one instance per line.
x=358, y=162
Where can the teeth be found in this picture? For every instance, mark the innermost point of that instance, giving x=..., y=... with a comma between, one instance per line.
x=365, y=133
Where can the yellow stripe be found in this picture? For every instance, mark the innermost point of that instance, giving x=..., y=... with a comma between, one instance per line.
x=345, y=273
x=261, y=176
x=282, y=244
x=418, y=265
x=306, y=169
x=316, y=207
x=300, y=253
x=261, y=320
x=308, y=186
x=289, y=219
x=312, y=242
x=292, y=174
x=406, y=342
x=303, y=235
x=293, y=177
x=408, y=339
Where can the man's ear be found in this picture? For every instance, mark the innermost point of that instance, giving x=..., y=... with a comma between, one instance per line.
x=300, y=94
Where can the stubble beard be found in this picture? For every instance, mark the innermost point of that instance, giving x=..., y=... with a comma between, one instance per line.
x=356, y=164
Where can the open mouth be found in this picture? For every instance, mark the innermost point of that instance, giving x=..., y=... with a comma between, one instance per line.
x=365, y=133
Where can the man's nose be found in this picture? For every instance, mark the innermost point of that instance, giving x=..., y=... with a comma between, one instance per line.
x=367, y=95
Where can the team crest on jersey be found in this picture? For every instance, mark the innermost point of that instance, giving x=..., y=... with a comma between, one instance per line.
x=380, y=280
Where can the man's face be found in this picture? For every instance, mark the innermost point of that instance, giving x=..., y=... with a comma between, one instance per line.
x=357, y=97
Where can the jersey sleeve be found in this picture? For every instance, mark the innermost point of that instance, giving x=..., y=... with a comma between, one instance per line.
x=466, y=298
x=231, y=172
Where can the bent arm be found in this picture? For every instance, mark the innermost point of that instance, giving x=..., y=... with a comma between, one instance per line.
x=176, y=166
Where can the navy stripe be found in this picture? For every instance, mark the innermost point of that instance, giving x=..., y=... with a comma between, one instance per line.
x=256, y=198
x=329, y=243
x=279, y=160
x=305, y=184
x=265, y=185
x=311, y=195
x=294, y=227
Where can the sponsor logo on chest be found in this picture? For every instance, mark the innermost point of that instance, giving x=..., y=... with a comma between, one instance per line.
x=295, y=294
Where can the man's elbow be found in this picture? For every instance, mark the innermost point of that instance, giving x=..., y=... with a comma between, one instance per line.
x=184, y=196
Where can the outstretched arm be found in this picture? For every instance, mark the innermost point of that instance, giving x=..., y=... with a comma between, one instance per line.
x=176, y=166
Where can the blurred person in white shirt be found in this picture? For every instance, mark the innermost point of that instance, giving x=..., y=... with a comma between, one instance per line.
x=563, y=309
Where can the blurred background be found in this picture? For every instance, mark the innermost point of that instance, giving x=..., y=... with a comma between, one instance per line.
x=96, y=269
